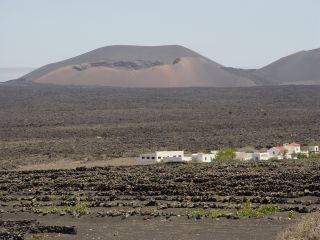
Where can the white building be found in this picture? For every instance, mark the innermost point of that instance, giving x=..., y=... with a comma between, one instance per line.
x=243, y=156
x=215, y=152
x=277, y=152
x=314, y=149
x=160, y=155
x=280, y=152
x=204, y=157
x=257, y=156
x=165, y=156
x=176, y=159
x=284, y=151
x=292, y=147
x=147, y=157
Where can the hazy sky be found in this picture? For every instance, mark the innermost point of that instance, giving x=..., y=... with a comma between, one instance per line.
x=239, y=33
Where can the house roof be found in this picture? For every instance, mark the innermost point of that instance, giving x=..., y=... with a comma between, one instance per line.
x=280, y=148
x=294, y=144
x=284, y=147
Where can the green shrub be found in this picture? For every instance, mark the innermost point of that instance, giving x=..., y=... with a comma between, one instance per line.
x=226, y=154
x=291, y=214
x=301, y=156
x=247, y=210
x=78, y=208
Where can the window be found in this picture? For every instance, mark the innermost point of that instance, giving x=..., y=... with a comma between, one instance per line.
x=205, y=158
x=143, y=157
x=152, y=157
x=174, y=156
x=148, y=157
x=159, y=157
x=180, y=156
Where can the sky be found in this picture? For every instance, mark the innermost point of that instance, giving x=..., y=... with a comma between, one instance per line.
x=246, y=33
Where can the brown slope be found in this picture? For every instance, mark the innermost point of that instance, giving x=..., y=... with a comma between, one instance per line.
x=188, y=72
x=166, y=54
x=302, y=68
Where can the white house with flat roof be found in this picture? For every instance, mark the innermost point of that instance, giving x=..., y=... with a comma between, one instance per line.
x=160, y=155
x=204, y=157
x=243, y=156
x=147, y=157
x=260, y=156
x=164, y=156
x=313, y=149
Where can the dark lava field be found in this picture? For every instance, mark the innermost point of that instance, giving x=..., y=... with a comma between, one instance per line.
x=181, y=194
x=231, y=200
x=41, y=123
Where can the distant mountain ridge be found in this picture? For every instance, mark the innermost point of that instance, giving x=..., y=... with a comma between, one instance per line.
x=11, y=73
x=299, y=68
x=171, y=66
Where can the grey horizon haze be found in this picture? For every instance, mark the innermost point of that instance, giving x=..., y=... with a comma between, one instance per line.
x=244, y=34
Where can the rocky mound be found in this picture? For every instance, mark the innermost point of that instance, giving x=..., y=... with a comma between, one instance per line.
x=302, y=68
x=171, y=66
x=183, y=72
x=133, y=66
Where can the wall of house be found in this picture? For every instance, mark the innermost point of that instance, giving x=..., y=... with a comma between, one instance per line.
x=160, y=155
x=273, y=152
x=313, y=149
x=148, y=157
x=204, y=157
x=261, y=156
x=293, y=149
x=244, y=156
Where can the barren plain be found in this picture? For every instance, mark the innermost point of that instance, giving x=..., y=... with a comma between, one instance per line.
x=46, y=127
x=41, y=124
x=163, y=201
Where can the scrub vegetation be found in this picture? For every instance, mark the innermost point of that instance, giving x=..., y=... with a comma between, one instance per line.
x=307, y=228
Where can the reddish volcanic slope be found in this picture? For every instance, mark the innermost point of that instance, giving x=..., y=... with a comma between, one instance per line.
x=135, y=66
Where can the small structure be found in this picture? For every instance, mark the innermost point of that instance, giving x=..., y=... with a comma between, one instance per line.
x=277, y=152
x=313, y=149
x=214, y=152
x=204, y=157
x=147, y=157
x=292, y=147
x=284, y=151
x=243, y=156
x=257, y=156
x=176, y=159
x=165, y=156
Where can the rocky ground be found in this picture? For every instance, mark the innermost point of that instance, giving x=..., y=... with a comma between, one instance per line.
x=162, y=201
x=76, y=128
x=44, y=124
